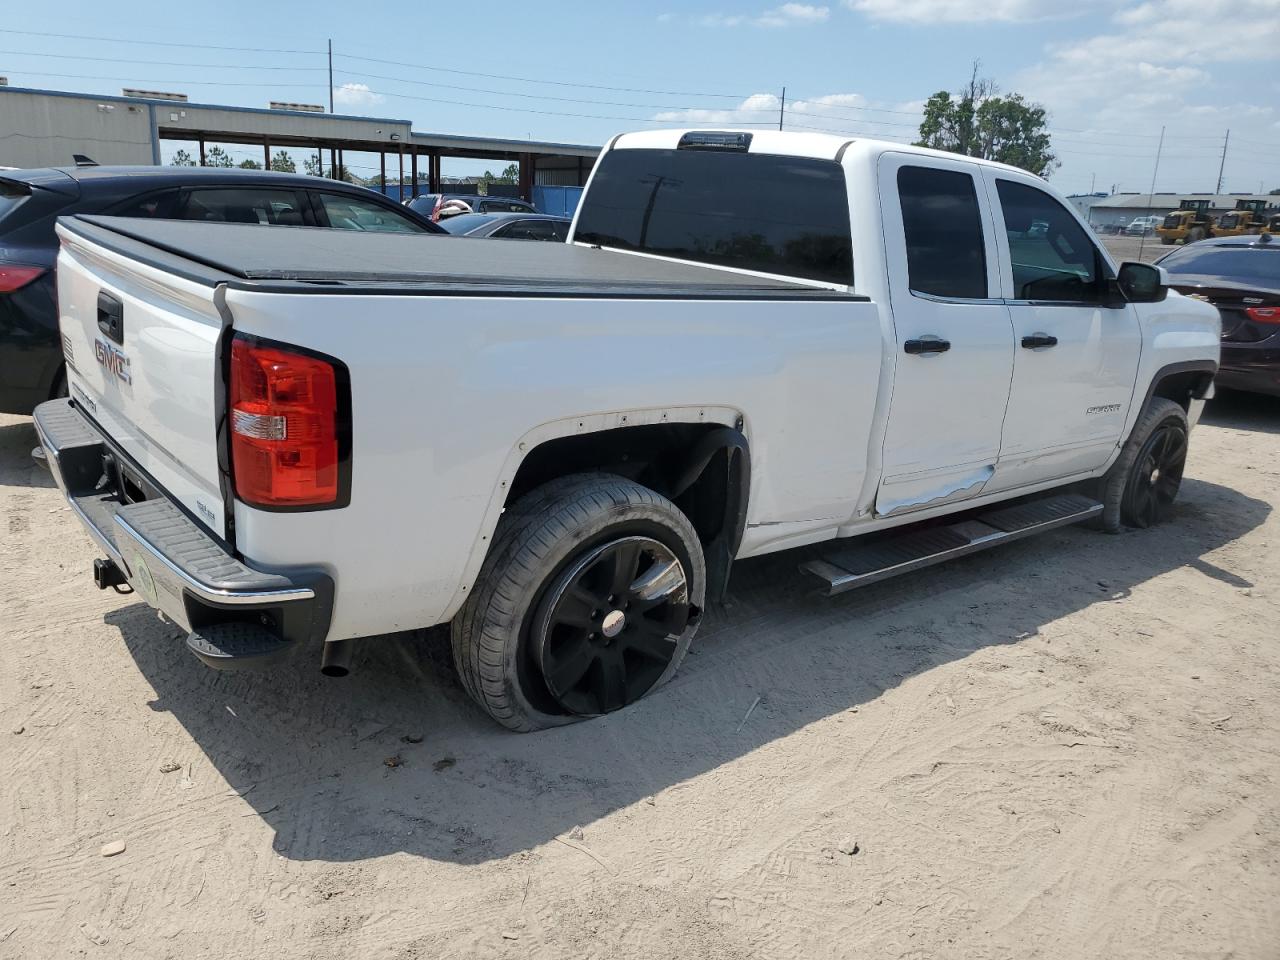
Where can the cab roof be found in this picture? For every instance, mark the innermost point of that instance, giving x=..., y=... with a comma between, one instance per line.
x=819, y=146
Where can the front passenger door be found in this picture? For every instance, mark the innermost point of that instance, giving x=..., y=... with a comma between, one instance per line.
x=1077, y=345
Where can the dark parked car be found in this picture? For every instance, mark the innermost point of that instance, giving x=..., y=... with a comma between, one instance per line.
x=31, y=368
x=509, y=226
x=1241, y=277
x=429, y=204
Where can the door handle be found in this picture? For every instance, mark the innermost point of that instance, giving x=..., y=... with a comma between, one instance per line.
x=924, y=345
x=1037, y=340
x=111, y=316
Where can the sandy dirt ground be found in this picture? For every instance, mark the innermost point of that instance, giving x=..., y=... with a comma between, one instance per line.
x=1068, y=747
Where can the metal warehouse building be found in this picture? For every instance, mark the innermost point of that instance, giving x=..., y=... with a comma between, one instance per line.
x=41, y=128
x=1121, y=208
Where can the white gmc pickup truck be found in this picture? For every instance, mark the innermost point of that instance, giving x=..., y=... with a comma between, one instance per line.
x=753, y=341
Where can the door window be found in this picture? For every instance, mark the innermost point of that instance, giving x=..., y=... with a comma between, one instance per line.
x=528, y=230
x=152, y=206
x=946, y=252
x=504, y=206
x=1053, y=258
x=354, y=213
x=261, y=205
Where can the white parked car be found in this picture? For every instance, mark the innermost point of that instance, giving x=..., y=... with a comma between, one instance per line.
x=753, y=341
x=1142, y=226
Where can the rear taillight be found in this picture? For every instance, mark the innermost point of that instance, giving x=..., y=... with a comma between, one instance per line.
x=14, y=276
x=1263, y=314
x=289, y=426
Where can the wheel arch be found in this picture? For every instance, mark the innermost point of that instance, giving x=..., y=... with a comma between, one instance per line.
x=702, y=465
x=1181, y=382
x=563, y=443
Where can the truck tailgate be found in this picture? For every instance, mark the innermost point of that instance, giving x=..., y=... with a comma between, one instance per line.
x=142, y=350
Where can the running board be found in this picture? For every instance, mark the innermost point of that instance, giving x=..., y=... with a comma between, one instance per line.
x=859, y=564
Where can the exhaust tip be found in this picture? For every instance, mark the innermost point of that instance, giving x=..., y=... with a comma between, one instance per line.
x=336, y=659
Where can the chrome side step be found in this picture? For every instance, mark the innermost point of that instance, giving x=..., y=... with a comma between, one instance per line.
x=860, y=563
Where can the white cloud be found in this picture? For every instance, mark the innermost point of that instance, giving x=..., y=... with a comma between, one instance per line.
x=356, y=95
x=1152, y=32
x=790, y=13
x=842, y=113
x=1109, y=94
x=1128, y=72
x=962, y=11
x=787, y=15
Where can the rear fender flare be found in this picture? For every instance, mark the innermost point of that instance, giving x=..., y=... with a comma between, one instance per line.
x=713, y=415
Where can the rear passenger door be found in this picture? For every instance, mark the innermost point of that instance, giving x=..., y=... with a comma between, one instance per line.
x=1077, y=344
x=954, y=341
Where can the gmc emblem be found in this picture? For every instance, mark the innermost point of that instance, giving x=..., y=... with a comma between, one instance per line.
x=112, y=360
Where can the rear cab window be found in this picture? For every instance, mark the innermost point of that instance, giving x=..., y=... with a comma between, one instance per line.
x=773, y=214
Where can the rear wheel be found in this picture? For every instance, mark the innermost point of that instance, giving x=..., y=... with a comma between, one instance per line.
x=1166, y=241
x=588, y=600
x=1141, y=486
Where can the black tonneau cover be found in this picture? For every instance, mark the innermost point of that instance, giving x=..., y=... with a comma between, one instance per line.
x=314, y=259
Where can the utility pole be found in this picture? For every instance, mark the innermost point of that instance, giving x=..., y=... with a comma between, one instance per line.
x=782, y=107
x=1223, y=164
x=331, y=75
x=1151, y=194
x=1093, y=181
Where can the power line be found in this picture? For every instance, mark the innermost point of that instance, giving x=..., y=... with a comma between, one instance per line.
x=558, y=83
x=158, y=63
x=527, y=96
x=178, y=83
x=808, y=107
x=153, y=43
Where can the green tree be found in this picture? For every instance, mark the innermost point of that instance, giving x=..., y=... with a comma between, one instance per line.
x=283, y=163
x=181, y=159
x=509, y=174
x=977, y=123
x=249, y=165
x=311, y=165
x=217, y=157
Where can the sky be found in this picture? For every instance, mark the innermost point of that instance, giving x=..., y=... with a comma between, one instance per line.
x=1110, y=73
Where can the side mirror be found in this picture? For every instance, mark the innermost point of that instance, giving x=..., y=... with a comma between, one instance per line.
x=1142, y=282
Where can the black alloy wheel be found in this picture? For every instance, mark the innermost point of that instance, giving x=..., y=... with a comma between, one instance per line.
x=607, y=629
x=1156, y=476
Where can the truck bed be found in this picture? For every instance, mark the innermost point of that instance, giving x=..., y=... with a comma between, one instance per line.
x=321, y=260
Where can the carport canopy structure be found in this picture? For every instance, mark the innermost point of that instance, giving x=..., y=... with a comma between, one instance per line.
x=401, y=152
x=48, y=127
